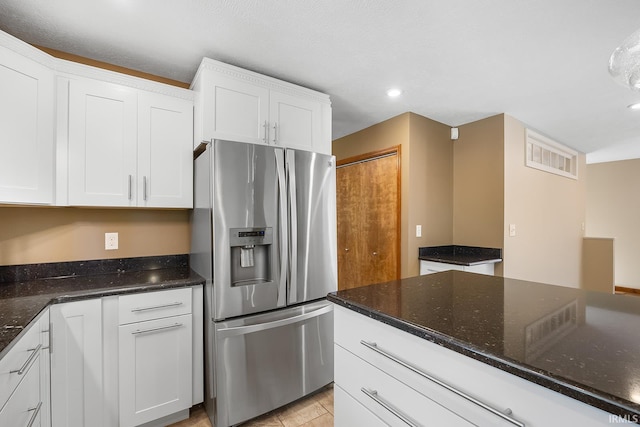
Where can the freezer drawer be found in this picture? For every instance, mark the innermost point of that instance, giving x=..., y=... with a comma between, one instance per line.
x=269, y=360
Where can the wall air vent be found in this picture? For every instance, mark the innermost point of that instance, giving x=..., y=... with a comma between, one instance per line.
x=550, y=156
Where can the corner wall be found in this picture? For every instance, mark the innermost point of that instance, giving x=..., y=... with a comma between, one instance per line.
x=548, y=211
x=426, y=178
x=478, y=182
x=612, y=210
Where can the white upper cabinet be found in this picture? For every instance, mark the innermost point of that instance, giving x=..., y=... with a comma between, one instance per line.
x=26, y=129
x=240, y=105
x=237, y=110
x=296, y=122
x=102, y=144
x=165, y=158
x=128, y=147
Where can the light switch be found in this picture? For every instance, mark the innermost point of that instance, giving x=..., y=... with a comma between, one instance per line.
x=418, y=231
x=512, y=230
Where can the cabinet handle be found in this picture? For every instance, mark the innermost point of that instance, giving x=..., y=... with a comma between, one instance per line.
x=144, y=188
x=266, y=131
x=275, y=133
x=35, y=411
x=27, y=363
x=130, y=187
x=160, y=328
x=156, y=307
x=504, y=415
x=373, y=394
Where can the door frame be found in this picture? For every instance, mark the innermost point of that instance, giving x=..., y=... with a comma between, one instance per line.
x=373, y=155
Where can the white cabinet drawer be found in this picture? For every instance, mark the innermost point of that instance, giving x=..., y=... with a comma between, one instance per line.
x=154, y=305
x=389, y=399
x=14, y=365
x=348, y=412
x=25, y=406
x=491, y=386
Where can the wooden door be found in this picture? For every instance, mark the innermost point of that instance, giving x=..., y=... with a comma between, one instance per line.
x=368, y=206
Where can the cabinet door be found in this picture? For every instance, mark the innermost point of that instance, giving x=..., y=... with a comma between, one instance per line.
x=102, y=144
x=295, y=121
x=239, y=111
x=76, y=364
x=165, y=155
x=26, y=130
x=155, y=359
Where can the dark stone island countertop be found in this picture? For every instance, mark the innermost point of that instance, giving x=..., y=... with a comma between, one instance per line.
x=26, y=290
x=460, y=255
x=585, y=345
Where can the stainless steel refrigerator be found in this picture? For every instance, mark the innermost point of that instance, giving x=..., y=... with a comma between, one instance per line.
x=264, y=237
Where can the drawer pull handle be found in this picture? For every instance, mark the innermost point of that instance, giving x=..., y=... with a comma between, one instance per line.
x=504, y=415
x=156, y=307
x=373, y=394
x=160, y=328
x=35, y=411
x=27, y=363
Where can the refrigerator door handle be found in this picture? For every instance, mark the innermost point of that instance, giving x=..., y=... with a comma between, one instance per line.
x=293, y=228
x=283, y=226
x=243, y=330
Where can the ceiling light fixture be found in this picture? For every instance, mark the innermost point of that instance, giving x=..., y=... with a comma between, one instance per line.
x=624, y=64
x=635, y=106
x=394, y=93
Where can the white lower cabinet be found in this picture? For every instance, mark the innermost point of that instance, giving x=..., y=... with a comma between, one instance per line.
x=24, y=407
x=405, y=380
x=123, y=361
x=155, y=362
x=76, y=364
x=429, y=267
x=24, y=380
x=352, y=413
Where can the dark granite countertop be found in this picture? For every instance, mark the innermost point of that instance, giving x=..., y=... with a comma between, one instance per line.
x=583, y=344
x=32, y=291
x=460, y=255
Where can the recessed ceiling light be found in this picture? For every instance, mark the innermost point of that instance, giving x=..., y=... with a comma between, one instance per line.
x=393, y=93
x=635, y=106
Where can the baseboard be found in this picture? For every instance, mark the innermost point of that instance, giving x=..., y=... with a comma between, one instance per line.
x=625, y=290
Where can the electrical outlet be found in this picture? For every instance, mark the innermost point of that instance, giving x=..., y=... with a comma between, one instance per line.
x=418, y=231
x=110, y=241
x=512, y=230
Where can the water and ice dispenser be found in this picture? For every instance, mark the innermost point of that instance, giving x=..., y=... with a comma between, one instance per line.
x=250, y=255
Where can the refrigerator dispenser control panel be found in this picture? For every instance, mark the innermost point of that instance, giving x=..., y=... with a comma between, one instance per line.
x=250, y=236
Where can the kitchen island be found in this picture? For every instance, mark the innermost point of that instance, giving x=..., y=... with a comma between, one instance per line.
x=459, y=348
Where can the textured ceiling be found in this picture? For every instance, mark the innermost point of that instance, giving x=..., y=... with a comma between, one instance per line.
x=543, y=62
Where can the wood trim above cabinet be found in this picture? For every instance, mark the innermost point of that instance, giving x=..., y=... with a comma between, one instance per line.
x=111, y=67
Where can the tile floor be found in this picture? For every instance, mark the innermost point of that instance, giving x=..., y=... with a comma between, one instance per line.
x=312, y=411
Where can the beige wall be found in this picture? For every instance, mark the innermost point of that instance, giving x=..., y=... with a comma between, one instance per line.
x=478, y=182
x=426, y=173
x=31, y=235
x=548, y=211
x=598, y=264
x=612, y=210
x=430, y=187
